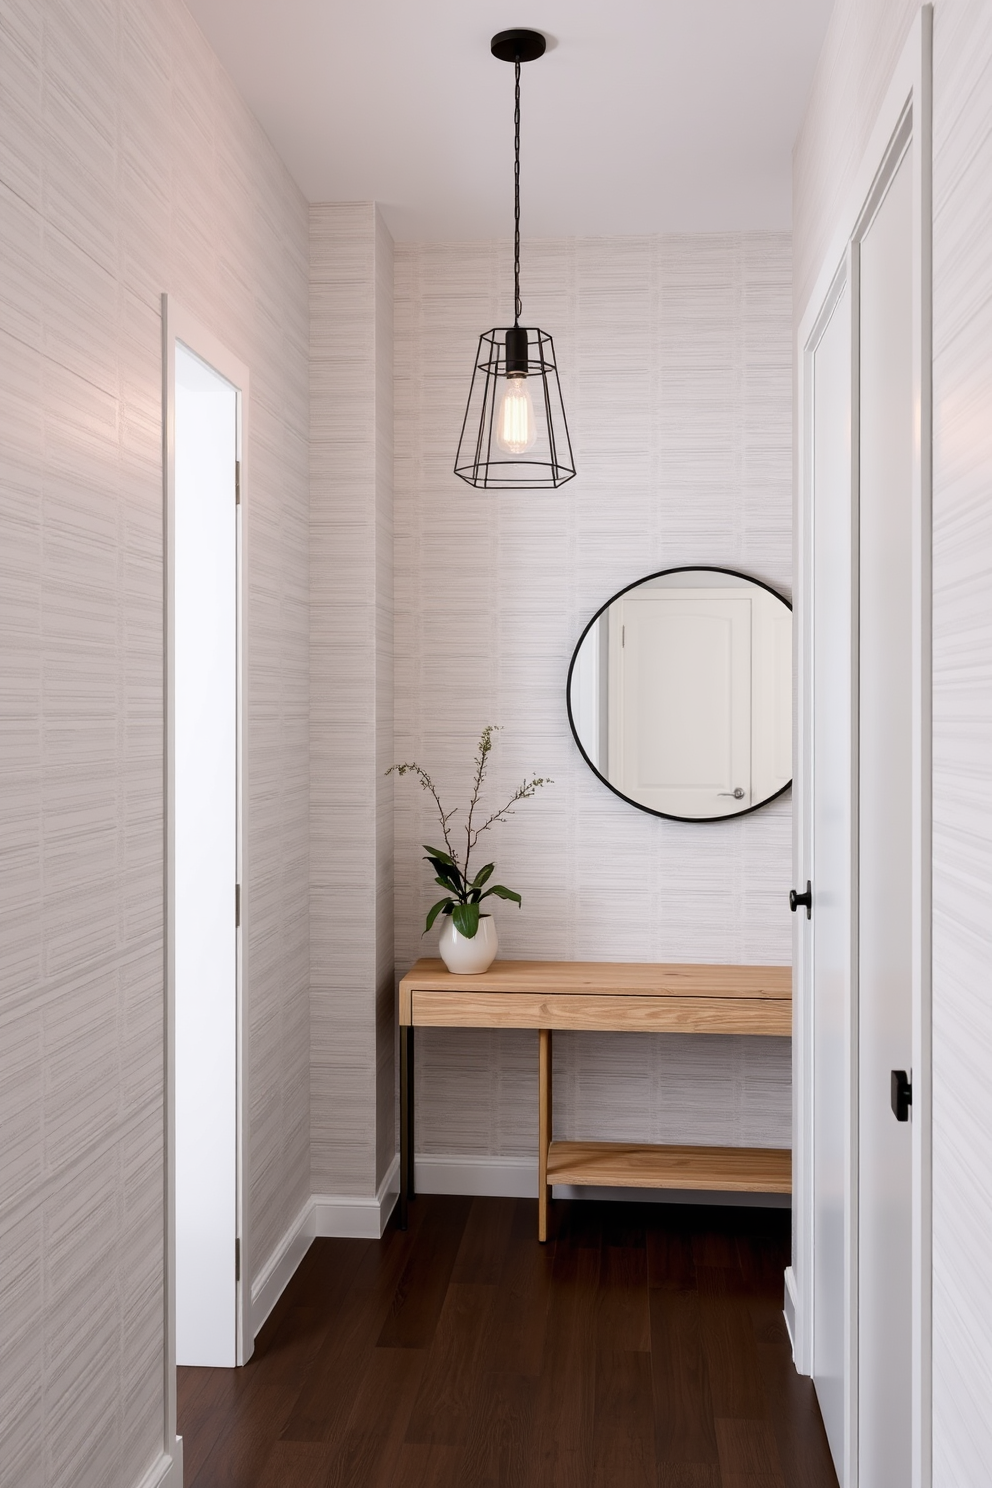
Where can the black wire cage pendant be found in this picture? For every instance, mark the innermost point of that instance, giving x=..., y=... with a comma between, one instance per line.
x=515, y=434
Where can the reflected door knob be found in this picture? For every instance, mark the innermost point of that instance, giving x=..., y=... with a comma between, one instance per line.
x=796, y=899
x=737, y=794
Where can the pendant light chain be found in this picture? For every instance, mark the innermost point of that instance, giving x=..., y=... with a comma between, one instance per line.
x=517, y=307
x=514, y=434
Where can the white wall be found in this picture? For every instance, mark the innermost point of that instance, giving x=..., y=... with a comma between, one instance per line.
x=676, y=363
x=864, y=39
x=128, y=166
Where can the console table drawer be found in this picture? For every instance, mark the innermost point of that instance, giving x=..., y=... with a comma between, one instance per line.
x=456, y=1009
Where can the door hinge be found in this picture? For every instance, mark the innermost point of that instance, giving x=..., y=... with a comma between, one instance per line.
x=623, y=636
x=237, y=905
x=237, y=482
x=237, y=1260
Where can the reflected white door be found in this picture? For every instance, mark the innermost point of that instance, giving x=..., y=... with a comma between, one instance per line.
x=885, y=916
x=832, y=860
x=204, y=601
x=680, y=704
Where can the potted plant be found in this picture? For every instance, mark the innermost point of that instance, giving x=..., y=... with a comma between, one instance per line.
x=468, y=940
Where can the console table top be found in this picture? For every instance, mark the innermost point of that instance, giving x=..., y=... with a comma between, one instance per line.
x=607, y=979
x=601, y=995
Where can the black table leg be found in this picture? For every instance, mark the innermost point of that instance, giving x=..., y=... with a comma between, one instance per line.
x=406, y=1124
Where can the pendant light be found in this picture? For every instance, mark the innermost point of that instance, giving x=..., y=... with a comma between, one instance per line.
x=514, y=435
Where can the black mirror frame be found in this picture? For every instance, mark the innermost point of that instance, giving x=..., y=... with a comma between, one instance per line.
x=661, y=572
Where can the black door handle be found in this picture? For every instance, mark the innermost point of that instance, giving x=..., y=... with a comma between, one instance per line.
x=796, y=899
x=901, y=1095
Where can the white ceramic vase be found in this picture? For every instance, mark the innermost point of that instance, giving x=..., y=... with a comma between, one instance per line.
x=464, y=956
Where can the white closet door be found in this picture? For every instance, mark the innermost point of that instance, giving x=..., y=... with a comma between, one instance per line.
x=831, y=860
x=886, y=837
x=680, y=678
x=205, y=608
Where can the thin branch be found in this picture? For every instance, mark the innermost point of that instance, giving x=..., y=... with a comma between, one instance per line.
x=522, y=793
x=427, y=784
x=485, y=745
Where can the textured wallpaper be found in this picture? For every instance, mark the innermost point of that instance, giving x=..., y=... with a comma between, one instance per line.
x=676, y=367
x=128, y=166
x=351, y=699
x=962, y=743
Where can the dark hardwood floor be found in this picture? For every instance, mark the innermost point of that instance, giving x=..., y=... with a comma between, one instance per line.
x=645, y=1345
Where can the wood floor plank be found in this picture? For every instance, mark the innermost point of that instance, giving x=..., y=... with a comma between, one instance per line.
x=497, y=1451
x=520, y=1323
x=324, y=1404
x=683, y=1404
x=670, y=1259
x=729, y=1344
x=373, y=1436
x=623, y=1427
x=300, y=1464
x=355, y=1314
x=748, y=1448
x=419, y=1297
x=232, y=1452
x=689, y=1475
x=446, y=1399
x=566, y=1392
x=484, y=1242
x=421, y=1465
x=623, y=1317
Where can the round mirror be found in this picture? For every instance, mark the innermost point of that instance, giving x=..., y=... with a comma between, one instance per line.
x=680, y=694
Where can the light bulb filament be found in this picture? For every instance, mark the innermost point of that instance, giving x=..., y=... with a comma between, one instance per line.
x=516, y=427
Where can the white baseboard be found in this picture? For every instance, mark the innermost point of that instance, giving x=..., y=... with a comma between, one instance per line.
x=278, y=1270
x=330, y=1216
x=791, y=1294
x=490, y=1177
x=167, y=1470
x=342, y=1217
x=516, y=1178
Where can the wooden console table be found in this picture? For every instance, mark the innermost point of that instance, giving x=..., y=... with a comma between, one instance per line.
x=608, y=997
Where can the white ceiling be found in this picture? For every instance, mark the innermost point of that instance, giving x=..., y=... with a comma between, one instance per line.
x=643, y=116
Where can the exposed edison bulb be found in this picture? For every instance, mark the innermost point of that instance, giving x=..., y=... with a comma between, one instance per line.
x=516, y=427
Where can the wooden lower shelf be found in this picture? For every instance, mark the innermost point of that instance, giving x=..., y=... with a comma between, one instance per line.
x=632, y=1165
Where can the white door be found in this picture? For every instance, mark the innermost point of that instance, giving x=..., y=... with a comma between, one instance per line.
x=886, y=818
x=680, y=705
x=832, y=832
x=205, y=801
x=863, y=1211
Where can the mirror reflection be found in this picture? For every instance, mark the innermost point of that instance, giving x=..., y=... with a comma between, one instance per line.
x=680, y=694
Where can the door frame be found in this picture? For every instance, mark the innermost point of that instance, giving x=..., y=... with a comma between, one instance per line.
x=179, y=325
x=904, y=121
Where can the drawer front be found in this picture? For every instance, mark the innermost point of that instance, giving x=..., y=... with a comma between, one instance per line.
x=607, y=1014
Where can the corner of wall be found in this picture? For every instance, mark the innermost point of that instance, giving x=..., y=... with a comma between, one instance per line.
x=351, y=703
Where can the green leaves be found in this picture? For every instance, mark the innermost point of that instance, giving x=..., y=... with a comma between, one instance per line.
x=503, y=893
x=466, y=918
x=442, y=904
x=449, y=875
x=483, y=875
